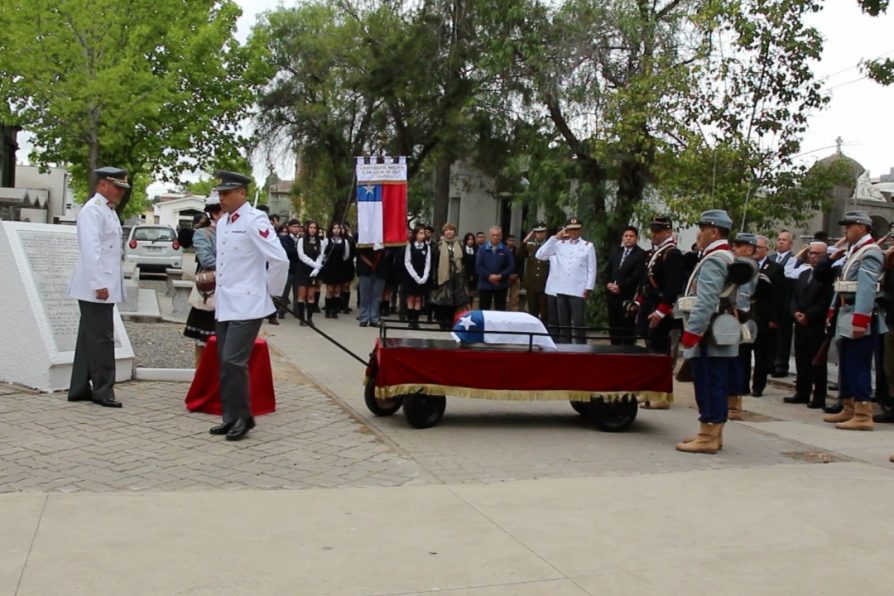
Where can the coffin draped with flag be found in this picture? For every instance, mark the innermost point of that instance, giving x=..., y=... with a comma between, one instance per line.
x=381, y=201
x=497, y=327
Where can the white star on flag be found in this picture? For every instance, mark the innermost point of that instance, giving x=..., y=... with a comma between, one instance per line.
x=466, y=322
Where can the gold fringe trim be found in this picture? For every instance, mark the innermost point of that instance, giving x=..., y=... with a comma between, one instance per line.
x=392, y=391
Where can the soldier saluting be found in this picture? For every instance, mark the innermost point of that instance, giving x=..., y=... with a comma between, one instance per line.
x=536, y=271
x=858, y=321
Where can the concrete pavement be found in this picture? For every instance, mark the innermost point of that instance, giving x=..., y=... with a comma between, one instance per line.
x=502, y=498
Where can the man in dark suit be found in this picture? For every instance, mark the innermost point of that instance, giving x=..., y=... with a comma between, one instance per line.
x=621, y=278
x=768, y=306
x=785, y=259
x=809, y=305
x=290, y=245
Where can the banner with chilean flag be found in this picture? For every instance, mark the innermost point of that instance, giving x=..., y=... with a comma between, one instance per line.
x=381, y=201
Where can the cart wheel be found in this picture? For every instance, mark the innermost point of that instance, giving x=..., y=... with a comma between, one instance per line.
x=380, y=407
x=424, y=411
x=613, y=416
x=581, y=407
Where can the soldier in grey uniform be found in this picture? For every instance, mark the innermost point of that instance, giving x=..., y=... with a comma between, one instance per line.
x=536, y=271
x=859, y=322
x=97, y=284
x=744, y=246
x=708, y=349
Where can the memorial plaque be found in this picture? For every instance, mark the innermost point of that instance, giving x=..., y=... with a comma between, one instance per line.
x=41, y=321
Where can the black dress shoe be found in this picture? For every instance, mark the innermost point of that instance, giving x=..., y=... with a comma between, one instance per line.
x=796, y=399
x=109, y=402
x=80, y=398
x=364, y=324
x=221, y=429
x=816, y=403
x=240, y=428
x=757, y=393
x=833, y=386
x=833, y=409
x=778, y=374
x=885, y=417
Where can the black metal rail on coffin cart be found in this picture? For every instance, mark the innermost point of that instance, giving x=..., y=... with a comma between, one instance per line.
x=425, y=411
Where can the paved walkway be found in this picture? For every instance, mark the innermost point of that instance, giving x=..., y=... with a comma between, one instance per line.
x=500, y=499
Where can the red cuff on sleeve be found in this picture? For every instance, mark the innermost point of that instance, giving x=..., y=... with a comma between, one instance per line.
x=639, y=299
x=664, y=308
x=829, y=314
x=690, y=340
x=861, y=320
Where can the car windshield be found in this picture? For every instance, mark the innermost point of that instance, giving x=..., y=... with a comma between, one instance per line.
x=154, y=234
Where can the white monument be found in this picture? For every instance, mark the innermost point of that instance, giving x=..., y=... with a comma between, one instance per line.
x=40, y=321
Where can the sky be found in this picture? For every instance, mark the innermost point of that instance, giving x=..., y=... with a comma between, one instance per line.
x=861, y=111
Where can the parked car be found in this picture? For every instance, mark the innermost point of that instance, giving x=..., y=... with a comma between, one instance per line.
x=153, y=247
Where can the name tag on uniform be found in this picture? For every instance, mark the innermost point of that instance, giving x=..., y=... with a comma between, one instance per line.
x=237, y=231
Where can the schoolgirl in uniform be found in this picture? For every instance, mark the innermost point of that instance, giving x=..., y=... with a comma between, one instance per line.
x=337, y=253
x=417, y=265
x=311, y=250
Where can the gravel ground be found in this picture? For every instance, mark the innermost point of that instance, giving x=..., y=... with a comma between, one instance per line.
x=160, y=345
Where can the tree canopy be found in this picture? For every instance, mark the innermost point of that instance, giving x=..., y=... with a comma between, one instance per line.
x=159, y=88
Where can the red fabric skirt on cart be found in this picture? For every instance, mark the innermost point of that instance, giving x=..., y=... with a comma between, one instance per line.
x=204, y=393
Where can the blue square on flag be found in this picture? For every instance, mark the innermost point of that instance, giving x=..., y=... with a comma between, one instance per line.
x=369, y=193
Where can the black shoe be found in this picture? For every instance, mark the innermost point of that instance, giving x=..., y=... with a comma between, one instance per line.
x=757, y=393
x=816, y=403
x=273, y=320
x=221, y=429
x=796, y=399
x=884, y=417
x=364, y=323
x=779, y=374
x=240, y=428
x=80, y=398
x=833, y=387
x=109, y=402
x=833, y=409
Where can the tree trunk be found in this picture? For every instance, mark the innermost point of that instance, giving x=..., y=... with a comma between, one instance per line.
x=441, y=207
x=8, y=148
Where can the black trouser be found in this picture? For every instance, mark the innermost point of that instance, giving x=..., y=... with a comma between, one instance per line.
x=497, y=297
x=291, y=288
x=235, y=341
x=783, y=345
x=621, y=327
x=537, y=305
x=94, y=359
x=570, y=312
x=810, y=379
x=763, y=348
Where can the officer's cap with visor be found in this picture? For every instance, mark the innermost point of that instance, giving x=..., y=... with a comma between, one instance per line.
x=116, y=176
x=573, y=223
x=661, y=222
x=230, y=181
x=540, y=227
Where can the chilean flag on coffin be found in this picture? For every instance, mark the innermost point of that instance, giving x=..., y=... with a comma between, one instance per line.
x=381, y=201
x=470, y=327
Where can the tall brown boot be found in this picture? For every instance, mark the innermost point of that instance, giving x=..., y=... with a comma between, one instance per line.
x=199, y=351
x=891, y=459
x=862, y=419
x=846, y=413
x=735, y=407
x=707, y=441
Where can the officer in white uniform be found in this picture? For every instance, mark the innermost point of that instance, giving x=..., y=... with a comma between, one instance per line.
x=572, y=276
x=251, y=267
x=98, y=284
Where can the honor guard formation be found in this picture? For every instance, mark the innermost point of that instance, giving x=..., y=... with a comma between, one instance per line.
x=733, y=310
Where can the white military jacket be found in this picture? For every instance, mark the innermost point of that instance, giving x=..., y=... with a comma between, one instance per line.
x=574, y=267
x=99, y=262
x=251, y=265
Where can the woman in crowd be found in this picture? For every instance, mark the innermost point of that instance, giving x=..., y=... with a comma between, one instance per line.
x=200, y=321
x=310, y=262
x=470, y=251
x=417, y=274
x=349, y=270
x=337, y=253
x=450, y=292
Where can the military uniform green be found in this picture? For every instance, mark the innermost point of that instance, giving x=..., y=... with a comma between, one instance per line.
x=536, y=272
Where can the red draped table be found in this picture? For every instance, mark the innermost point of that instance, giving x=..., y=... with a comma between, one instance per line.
x=571, y=372
x=204, y=393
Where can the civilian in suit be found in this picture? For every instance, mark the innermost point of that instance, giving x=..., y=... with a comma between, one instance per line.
x=810, y=302
x=97, y=284
x=785, y=259
x=621, y=278
x=767, y=311
x=290, y=245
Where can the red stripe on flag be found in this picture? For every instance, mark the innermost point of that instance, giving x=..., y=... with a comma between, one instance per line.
x=394, y=213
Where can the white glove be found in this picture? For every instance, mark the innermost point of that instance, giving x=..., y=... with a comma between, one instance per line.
x=314, y=273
